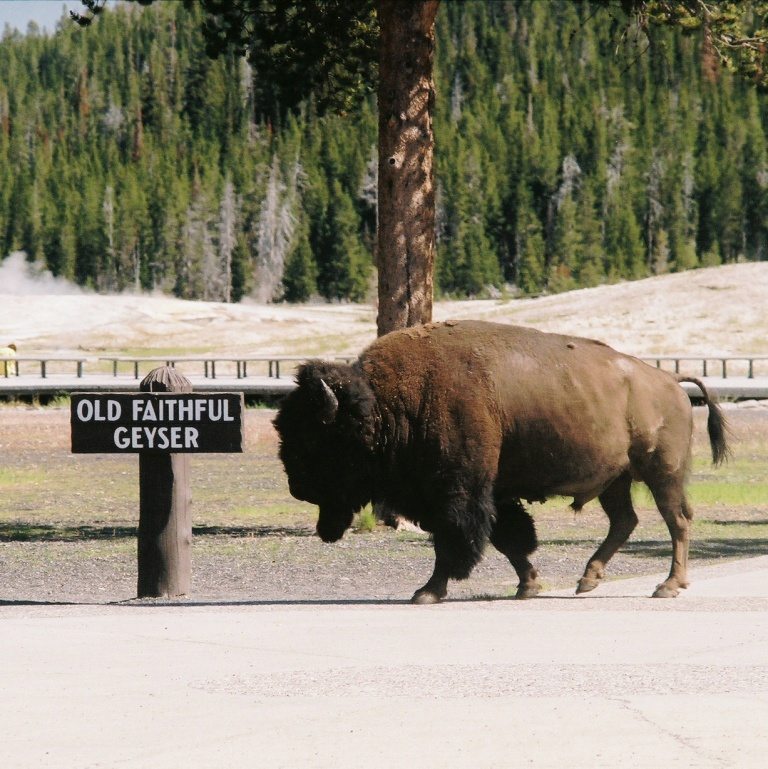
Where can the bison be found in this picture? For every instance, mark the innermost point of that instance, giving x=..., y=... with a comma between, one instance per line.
x=452, y=424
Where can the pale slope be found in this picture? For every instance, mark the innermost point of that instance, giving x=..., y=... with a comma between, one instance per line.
x=721, y=310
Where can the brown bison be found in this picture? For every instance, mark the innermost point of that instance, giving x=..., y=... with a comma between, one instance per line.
x=452, y=424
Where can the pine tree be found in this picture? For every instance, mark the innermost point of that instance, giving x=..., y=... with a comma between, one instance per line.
x=300, y=275
x=590, y=270
x=531, y=270
x=623, y=241
x=277, y=222
x=566, y=248
x=196, y=249
x=226, y=241
x=343, y=264
x=754, y=180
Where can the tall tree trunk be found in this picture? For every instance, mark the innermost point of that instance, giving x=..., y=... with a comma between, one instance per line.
x=406, y=96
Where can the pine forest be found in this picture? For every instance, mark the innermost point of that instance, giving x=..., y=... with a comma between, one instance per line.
x=568, y=153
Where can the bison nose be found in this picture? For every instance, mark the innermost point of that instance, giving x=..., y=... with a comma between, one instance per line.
x=328, y=536
x=331, y=525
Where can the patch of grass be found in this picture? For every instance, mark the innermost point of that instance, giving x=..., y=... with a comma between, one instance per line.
x=15, y=477
x=715, y=528
x=724, y=494
x=280, y=514
x=708, y=494
x=365, y=521
x=268, y=511
x=318, y=346
x=59, y=401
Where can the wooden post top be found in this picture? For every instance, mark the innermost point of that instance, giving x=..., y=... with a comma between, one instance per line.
x=165, y=379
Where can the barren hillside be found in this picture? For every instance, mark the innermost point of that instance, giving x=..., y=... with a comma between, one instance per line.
x=722, y=310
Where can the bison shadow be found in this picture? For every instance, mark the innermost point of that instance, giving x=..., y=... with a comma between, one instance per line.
x=704, y=548
x=31, y=532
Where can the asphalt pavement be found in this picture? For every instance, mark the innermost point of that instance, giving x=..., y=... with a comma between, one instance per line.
x=612, y=678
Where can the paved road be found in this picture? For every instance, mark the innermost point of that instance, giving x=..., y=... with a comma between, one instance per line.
x=612, y=679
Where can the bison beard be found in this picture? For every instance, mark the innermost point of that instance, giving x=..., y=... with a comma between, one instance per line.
x=452, y=424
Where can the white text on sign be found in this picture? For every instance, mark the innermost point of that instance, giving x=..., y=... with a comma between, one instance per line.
x=153, y=410
x=157, y=438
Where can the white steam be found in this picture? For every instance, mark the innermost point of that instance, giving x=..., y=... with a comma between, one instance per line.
x=22, y=278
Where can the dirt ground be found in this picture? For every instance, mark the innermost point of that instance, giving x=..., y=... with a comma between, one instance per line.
x=68, y=525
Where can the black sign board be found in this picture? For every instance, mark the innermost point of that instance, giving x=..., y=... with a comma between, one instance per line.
x=158, y=422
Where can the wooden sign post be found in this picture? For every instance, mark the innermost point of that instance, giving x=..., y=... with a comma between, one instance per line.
x=164, y=423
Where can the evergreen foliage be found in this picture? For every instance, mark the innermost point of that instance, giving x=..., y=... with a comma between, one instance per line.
x=131, y=160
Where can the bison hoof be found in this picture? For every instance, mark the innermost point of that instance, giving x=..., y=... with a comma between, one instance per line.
x=665, y=591
x=527, y=591
x=586, y=584
x=425, y=597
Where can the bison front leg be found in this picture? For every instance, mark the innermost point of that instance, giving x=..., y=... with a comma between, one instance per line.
x=458, y=548
x=436, y=588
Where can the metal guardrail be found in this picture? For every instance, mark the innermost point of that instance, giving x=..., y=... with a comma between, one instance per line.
x=749, y=366
x=11, y=367
x=748, y=363
x=210, y=362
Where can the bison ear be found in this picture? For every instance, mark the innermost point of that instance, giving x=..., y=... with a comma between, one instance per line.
x=329, y=405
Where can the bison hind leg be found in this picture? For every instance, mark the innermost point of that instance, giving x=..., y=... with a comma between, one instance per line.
x=616, y=500
x=674, y=508
x=514, y=535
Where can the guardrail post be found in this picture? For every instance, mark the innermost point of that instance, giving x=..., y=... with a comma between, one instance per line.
x=165, y=519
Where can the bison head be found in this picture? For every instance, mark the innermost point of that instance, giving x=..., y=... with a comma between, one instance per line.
x=327, y=428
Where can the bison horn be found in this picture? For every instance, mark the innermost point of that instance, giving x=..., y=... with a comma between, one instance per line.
x=330, y=404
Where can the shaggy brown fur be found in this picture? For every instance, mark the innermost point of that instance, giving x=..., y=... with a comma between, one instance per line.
x=452, y=424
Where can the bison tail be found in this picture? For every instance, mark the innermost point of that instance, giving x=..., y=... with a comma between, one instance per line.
x=717, y=426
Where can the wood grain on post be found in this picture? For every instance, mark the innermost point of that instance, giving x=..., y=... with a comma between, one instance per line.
x=165, y=518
